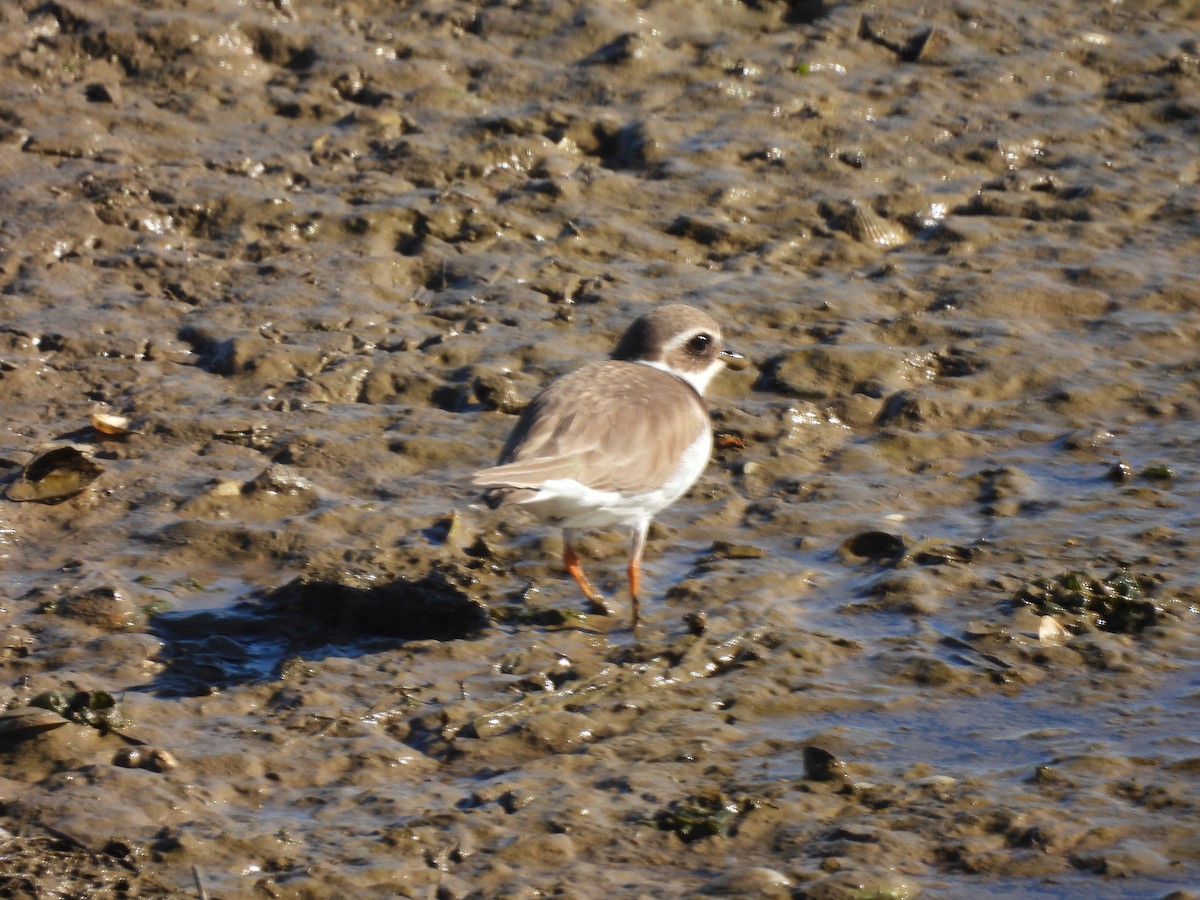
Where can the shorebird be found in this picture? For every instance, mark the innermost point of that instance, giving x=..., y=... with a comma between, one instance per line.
x=614, y=443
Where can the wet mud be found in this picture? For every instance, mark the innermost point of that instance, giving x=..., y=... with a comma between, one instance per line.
x=275, y=279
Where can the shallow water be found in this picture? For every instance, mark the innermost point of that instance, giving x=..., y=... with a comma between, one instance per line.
x=304, y=249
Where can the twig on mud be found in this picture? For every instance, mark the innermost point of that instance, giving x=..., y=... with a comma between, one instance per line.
x=201, y=890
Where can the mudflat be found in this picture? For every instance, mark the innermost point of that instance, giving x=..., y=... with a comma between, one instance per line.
x=275, y=278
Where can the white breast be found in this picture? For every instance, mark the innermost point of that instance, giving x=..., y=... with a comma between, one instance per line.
x=568, y=503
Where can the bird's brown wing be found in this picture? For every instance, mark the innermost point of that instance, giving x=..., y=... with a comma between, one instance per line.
x=610, y=426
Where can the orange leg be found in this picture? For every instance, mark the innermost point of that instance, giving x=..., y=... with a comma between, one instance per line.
x=634, y=570
x=596, y=601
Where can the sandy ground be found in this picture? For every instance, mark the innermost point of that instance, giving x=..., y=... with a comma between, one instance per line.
x=925, y=627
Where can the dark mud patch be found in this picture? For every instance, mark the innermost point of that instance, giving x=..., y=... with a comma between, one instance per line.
x=34, y=862
x=309, y=617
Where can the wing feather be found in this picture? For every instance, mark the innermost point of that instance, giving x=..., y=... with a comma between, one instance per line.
x=611, y=425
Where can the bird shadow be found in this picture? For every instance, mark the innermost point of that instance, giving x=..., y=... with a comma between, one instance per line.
x=312, y=616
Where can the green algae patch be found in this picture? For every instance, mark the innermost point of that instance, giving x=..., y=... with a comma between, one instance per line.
x=97, y=709
x=1119, y=603
x=710, y=814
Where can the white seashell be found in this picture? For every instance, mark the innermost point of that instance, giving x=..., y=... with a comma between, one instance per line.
x=1051, y=632
x=867, y=226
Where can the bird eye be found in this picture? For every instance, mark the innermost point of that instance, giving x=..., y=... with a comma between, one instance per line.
x=699, y=344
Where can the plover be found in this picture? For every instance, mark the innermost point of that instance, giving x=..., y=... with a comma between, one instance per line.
x=614, y=443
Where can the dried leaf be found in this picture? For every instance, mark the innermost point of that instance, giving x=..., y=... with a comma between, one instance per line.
x=26, y=721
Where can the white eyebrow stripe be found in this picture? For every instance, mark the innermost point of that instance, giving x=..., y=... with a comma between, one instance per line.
x=685, y=337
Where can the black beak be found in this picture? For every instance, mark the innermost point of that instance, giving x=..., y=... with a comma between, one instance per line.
x=733, y=359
